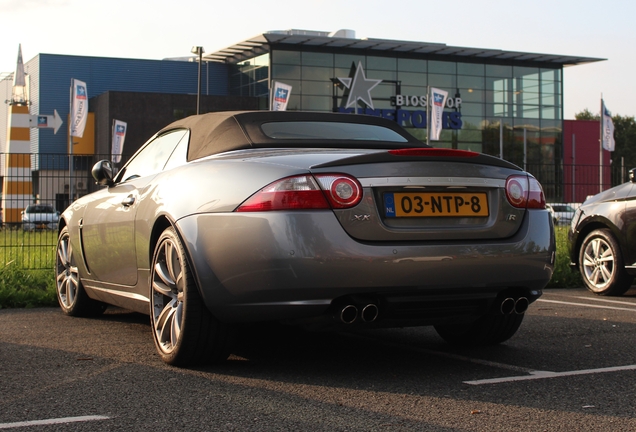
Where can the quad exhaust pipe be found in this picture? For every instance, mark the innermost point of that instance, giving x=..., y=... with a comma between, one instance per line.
x=369, y=313
x=510, y=305
x=350, y=313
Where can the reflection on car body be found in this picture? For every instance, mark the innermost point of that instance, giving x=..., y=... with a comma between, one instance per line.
x=244, y=217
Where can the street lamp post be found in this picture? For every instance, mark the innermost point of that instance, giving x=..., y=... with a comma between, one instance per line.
x=198, y=50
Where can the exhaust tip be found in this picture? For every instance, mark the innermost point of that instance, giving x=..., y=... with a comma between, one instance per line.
x=369, y=313
x=348, y=314
x=507, y=306
x=521, y=305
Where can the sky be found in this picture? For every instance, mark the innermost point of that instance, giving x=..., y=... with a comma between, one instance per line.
x=161, y=29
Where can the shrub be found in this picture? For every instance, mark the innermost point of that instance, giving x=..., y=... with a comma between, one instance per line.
x=563, y=276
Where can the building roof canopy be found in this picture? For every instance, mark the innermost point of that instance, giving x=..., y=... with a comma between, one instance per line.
x=262, y=43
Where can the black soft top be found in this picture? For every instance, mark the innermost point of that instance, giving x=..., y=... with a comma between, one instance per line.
x=219, y=132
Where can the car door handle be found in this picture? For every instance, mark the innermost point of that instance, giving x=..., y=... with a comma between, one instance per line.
x=128, y=201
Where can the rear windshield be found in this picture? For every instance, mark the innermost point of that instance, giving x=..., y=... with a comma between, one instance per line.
x=306, y=130
x=39, y=209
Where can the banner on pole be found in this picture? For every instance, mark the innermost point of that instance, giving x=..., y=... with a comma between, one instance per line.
x=119, y=135
x=607, y=128
x=79, y=109
x=281, y=94
x=438, y=102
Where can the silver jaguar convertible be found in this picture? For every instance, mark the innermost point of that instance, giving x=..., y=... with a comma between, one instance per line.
x=317, y=219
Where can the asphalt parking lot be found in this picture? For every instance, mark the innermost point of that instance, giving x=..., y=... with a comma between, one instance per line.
x=571, y=366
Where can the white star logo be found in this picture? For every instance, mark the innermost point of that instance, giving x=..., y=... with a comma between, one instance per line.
x=360, y=88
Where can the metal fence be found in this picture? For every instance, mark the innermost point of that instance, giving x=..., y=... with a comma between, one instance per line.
x=45, y=180
x=49, y=177
x=574, y=183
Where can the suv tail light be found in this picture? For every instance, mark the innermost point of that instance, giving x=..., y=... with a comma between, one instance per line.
x=323, y=191
x=524, y=191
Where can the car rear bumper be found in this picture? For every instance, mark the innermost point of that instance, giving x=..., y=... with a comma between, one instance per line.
x=280, y=265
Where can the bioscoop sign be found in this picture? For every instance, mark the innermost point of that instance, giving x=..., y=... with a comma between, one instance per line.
x=410, y=110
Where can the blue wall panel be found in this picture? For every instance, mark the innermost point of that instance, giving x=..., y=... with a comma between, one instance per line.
x=103, y=74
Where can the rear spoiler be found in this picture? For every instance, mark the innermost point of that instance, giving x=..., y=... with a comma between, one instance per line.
x=423, y=154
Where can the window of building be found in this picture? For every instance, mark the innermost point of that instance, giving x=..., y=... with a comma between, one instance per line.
x=412, y=65
x=381, y=63
x=285, y=57
x=474, y=69
x=316, y=59
x=442, y=67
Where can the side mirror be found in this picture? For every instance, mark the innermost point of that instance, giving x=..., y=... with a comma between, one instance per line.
x=632, y=175
x=103, y=173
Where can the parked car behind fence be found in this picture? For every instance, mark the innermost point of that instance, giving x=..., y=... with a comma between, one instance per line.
x=39, y=217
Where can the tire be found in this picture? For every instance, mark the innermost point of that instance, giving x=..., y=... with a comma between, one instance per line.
x=601, y=264
x=488, y=330
x=70, y=292
x=184, y=330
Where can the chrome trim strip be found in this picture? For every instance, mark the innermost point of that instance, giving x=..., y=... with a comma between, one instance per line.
x=116, y=292
x=432, y=181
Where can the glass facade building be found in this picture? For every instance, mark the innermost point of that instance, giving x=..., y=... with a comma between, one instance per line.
x=507, y=104
x=518, y=106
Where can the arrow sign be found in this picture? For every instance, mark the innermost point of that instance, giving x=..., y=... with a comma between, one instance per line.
x=47, y=121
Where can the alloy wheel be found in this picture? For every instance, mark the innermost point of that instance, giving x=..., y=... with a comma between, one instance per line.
x=598, y=263
x=67, y=279
x=167, y=295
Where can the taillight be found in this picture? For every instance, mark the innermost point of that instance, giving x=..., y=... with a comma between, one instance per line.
x=524, y=191
x=305, y=192
x=342, y=191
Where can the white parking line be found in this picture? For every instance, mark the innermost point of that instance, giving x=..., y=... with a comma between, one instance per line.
x=52, y=421
x=587, y=305
x=608, y=301
x=534, y=375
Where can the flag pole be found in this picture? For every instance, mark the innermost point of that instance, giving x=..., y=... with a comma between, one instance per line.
x=428, y=113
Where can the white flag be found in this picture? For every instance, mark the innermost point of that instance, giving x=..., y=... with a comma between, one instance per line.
x=607, y=131
x=79, y=107
x=119, y=135
x=281, y=96
x=438, y=102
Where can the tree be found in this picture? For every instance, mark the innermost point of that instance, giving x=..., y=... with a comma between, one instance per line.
x=624, y=137
x=586, y=114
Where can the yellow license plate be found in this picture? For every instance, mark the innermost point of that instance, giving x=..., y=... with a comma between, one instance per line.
x=434, y=204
